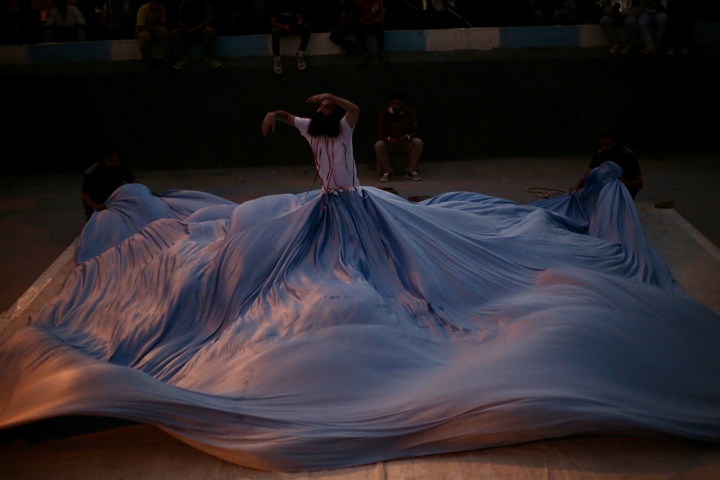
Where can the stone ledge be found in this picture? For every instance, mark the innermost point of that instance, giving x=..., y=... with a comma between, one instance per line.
x=457, y=39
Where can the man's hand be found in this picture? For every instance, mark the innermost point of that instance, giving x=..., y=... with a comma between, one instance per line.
x=401, y=139
x=268, y=123
x=319, y=98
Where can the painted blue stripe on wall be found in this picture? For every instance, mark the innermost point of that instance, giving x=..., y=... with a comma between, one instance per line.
x=404, y=41
x=71, y=52
x=242, y=46
x=539, y=37
x=561, y=36
x=520, y=37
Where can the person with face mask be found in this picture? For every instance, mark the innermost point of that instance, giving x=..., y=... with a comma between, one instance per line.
x=397, y=132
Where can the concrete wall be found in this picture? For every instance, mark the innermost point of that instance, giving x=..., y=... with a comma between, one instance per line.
x=471, y=102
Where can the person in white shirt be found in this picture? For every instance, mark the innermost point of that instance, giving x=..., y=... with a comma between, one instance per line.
x=65, y=23
x=329, y=134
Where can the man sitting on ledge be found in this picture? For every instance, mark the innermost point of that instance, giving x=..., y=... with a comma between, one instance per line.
x=65, y=23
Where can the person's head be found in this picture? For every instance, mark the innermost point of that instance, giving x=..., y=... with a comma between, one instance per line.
x=155, y=5
x=62, y=6
x=396, y=100
x=108, y=156
x=610, y=138
x=326, y=120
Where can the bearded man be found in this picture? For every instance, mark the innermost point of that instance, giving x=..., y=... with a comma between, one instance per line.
x=329, y=133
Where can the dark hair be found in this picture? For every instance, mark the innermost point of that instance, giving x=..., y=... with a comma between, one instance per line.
x=327, y=125
x=396, y=95
x=105, y=150
x=613, y=133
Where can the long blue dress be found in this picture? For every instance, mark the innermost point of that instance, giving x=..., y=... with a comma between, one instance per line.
x=331, y=329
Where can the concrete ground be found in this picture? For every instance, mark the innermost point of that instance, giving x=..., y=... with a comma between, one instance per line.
x=41, y=218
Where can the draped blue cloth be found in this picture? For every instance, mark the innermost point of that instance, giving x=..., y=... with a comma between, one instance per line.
x=325, y=330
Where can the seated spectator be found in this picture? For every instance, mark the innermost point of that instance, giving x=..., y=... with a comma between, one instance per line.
x=24, y=24
x=652, y=23
x=102, y=179
x=116, y=20
x=620, y=14
x=564, y=12
x=345, y=27
x=151, y=27
x=589, y=12
x=195, y=26
x=286, y=18
x=680, y=21
x=370, y=20
x=397, y=132
x=613, y=149
x=65, y=23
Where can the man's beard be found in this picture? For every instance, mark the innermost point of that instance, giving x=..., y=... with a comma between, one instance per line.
x=326, y=125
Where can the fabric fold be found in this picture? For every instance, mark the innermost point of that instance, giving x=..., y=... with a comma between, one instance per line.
x=324, y=330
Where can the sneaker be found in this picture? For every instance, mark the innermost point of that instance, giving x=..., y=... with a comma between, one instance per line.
x=301, y=62
x=365, y=58
x=383, y=58
x=614, y=49
x=413, y=176
x=213, y=62
x=626, y=49
x=385, y=177
x=277, y=65
x=180, y=64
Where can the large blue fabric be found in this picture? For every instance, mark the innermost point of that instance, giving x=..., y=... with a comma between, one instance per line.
x=324, y=330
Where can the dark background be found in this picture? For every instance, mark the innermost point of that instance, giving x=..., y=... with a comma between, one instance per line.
x=470, y=105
